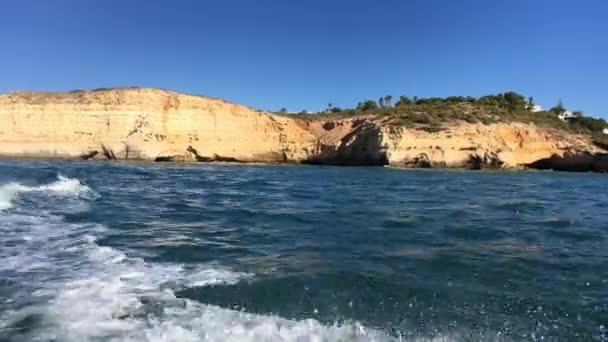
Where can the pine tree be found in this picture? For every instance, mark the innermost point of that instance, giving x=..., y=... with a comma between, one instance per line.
x=387, y=100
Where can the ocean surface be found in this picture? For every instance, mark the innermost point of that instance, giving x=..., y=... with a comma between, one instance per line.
x=167, y=252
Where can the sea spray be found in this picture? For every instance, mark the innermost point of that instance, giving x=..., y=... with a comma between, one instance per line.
x=7, y=193
x=64, y=186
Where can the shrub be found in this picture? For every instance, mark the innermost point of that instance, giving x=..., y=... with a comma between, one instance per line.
x=424, y=119
x=433, y=128
x=430, y=113
x=367, y=105
x=404, y=101
x=588, y=123
x=600, y=140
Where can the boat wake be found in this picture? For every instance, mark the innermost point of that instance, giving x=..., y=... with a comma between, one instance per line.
x=64, y=286
x=64, y=186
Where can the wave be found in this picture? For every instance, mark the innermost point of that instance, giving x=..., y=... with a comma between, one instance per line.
x=135, y=307
x=7, y=192
x=114, y=297
x=84, y=291
x=63, y=186
x=67, y=186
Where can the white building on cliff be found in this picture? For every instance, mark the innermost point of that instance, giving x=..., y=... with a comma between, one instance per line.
x=536, y=109
x=565, y=116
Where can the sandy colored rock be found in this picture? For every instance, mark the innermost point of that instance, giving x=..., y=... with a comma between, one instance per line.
x=153, y=124
x=144, y=124
x=513, y=144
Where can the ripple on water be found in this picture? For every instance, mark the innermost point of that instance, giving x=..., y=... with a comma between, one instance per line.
x=220, y=253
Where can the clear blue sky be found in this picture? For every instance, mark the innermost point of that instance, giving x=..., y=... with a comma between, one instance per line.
x=303, y=54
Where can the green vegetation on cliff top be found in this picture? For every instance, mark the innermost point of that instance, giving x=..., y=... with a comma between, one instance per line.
x=434, y=114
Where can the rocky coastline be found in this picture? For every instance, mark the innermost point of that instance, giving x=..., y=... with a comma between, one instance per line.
x=166, y=126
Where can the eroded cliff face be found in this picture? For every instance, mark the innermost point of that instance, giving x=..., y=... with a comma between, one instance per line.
x=152, y=124
x=147, y=124
x=512, y=145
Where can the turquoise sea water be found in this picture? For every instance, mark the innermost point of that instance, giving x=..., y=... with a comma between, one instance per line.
x=169, y=252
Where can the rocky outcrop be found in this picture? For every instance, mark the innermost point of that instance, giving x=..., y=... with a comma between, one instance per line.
x=422, y=161
x=165, y=126
x=573, y=162
x=477, y=146
x=360, y=146
x=145, y=124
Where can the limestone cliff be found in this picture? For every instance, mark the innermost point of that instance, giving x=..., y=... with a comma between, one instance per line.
x=145, y=124
x=153, y=124
x=479, y=146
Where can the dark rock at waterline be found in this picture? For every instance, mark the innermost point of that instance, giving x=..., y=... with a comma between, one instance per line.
x=89, y=155
x=573, y=162
x=601, y=164
x=164, y=159
x=422, y=161
x=361, y=147
x=197, y=156
x=484, y=161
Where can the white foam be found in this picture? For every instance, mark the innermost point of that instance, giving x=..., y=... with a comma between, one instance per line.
x=129, y=303
x=214, y=276
x=7, y=192
x=110, y=296
x=97, y=309
x=87, y=292
x=125, y=300
x=67, y=186
x=64, y=186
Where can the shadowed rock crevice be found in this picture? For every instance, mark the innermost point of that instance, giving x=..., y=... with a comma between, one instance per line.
x=573, y=162
x=218, y=158
x=422, y=161
x=361, y=147
x=328, y=126
x=488, y=160
x=89, y=155
x=164, y=159
x=197, y=156
x=214, y=158
x=108, y=152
